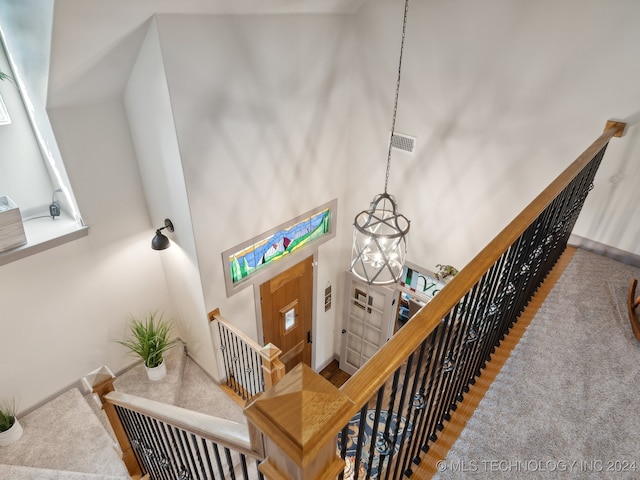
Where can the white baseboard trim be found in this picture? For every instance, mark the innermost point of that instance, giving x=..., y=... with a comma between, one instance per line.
x=605, y=250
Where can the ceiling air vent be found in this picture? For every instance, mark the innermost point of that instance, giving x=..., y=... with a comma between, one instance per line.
x=402, y=142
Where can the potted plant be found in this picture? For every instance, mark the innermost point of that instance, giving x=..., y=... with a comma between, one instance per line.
x=446, y=271
x=10, y=428
x=150, y=339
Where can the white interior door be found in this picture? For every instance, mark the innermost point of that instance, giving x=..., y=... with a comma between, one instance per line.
x=368, y=322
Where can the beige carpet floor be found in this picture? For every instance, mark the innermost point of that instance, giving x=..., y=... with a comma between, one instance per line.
x=69, y=438
x=565, y=405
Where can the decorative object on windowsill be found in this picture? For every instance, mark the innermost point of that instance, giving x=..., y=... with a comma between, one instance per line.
x=159, y=241
x=446, y=272
x=10, y=428
x=150, y=339
x=11, y=228
x=380, y=233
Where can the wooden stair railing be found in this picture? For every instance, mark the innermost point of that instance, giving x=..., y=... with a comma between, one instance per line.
x=249, y=368
x=406, y=392
x=165, y=441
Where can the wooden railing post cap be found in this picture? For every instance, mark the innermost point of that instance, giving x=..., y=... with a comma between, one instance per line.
x=213, y=314
x=619, y=126
x=97, y=379
x=270, y=351
x=297, y=416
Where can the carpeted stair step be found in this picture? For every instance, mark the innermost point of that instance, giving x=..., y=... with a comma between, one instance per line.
x=199, y=392
x=18, y=472
x=65, y=435
x=166, y=390
x=135, y=382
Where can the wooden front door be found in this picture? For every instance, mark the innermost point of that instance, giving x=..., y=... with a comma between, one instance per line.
x=286, y=313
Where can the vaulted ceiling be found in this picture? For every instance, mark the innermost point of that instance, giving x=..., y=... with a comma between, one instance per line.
x=94, y=43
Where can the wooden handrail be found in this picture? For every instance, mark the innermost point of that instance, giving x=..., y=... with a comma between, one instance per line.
x=215, y=315
x=227, y=433
x=372, y=375
x=544, y=224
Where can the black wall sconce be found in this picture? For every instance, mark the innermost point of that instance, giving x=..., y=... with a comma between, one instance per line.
x=160, y=242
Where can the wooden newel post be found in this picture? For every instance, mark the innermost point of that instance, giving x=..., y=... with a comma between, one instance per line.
x=272, y=367
x=101, y=383
x=297, y=420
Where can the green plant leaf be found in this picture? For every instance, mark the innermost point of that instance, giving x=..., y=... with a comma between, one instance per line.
x=150, y=339
x=7, y=414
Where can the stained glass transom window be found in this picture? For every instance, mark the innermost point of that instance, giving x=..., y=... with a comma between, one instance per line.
x=272, y=248
x=420, y=282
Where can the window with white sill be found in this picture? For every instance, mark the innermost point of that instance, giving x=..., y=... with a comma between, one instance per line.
x=32, y=175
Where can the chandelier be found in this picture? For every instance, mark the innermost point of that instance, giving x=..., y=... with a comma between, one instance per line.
x=380, y=233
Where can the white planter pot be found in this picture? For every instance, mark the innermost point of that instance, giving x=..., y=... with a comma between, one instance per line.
x=12, y=435
x=157, y=373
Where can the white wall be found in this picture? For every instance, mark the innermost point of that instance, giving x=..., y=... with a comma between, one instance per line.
x=154, y=135
x=62, y=309
x=261, y=112
x=502, y=95
x=26, y=27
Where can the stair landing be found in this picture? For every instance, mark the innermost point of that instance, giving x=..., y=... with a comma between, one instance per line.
x=64, y=435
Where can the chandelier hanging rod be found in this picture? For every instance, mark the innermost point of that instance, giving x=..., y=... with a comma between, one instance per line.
x=395, y=103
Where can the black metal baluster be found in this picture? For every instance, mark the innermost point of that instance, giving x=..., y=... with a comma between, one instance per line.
x=173, y=461
x=196, y=448
x=184, y=455
x=227, y=356
x=374, y=434
x=161, y=448
x=258, y=372
x=206, y=444
x=447, y=367
x=224, y=347
x=461, y=326
x=344, y=437
x=360, y=441
x=252, y=371
x=233, y=363
x=434, y=379
x=227, y=455
x=149, y=445
x=145, y=449
x=243, y=465
x=216, y=451
x=244, y=368
x=179, y=460
x=468, y=306
x=403, y=399
x=409, y=439
x=192, y=466
x=421, y=399
x=248, y=369
x=130, y=432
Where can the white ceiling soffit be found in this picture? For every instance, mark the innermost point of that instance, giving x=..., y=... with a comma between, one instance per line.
x=95, y=40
